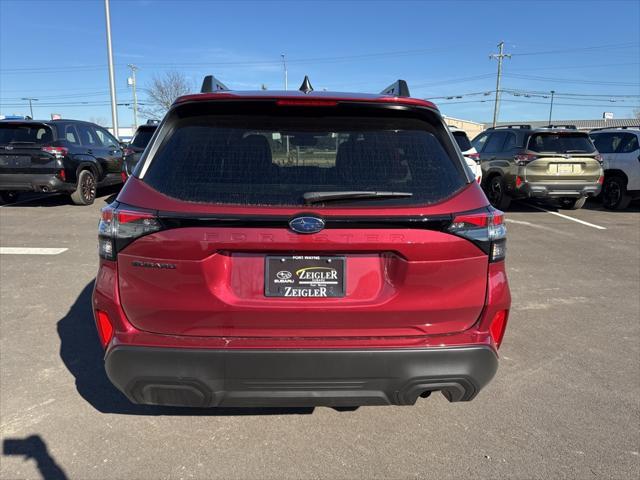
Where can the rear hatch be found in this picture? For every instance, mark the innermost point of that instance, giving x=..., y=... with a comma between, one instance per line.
x=21, y=148
x=562, y=157
x=264, y=220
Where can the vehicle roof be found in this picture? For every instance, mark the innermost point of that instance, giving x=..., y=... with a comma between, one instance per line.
x=615, y=129
x=35, y=121
x=298, y=95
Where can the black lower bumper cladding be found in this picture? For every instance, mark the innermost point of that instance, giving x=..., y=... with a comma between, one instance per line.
x=297, y=378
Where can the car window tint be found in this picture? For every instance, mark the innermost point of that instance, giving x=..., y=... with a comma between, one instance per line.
x=479, y=142
x=71, y=135
x=462, y=140
x=561, y=142
x=495, y=142
x=24, y=133
x=629, y=143
x=105, y=138
x=510, y=142
x=88, y=136
x=142, y=137
x=603, y=142
x=274, y=160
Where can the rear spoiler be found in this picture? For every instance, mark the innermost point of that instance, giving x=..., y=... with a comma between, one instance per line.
x=397, y=89
x=212, y=84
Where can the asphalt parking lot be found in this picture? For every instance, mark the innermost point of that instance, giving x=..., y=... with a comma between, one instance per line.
x=565, y=402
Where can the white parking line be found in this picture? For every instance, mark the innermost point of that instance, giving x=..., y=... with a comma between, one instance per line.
x=31, y=251
x=569, y=218
x=30, y=199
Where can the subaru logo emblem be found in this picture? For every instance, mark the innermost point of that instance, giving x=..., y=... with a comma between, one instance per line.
x=306, y=224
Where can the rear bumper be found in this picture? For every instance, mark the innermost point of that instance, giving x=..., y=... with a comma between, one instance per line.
x=33, y=182
x=252, y=378
x=559, y=190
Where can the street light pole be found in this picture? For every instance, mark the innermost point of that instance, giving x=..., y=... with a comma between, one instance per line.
x=135, y=95
x=30, y=99
x=551, y=106
x=112, y=80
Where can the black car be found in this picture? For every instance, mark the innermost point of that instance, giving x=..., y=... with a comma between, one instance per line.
x=68, y=156
x=139, y=142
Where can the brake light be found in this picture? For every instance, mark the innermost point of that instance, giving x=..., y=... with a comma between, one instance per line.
x=498, y=326
x=58, y=152
x=119, y=226
x=124, y=176
x=518, y=182
x=105, y=328
x=474, y=156
x=62, y=175
x=485, y=228
x=306, y=103
x=524, y=158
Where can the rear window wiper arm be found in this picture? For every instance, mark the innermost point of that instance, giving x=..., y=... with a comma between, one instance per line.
x=316, y=197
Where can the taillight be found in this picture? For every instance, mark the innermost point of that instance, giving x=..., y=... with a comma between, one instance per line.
x=58, y=152
x=123, y=176
x=601, y=180
x=485, y=228
x=498, y=326
x=599, y=158
x=474, y=156
x=105, y=328
x=121, y=225
x=62, y=175
x=518, y=182
x=524, y=158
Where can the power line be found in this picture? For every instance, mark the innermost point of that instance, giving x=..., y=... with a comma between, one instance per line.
x=571, y=80
x=579, y=49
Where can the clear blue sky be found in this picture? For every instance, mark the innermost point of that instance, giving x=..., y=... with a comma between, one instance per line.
x=56, y=51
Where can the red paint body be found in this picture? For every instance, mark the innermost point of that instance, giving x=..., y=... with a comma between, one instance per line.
x=410, y=288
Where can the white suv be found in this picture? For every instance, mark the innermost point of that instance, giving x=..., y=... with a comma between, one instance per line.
x=470, y=153
x=620, y=150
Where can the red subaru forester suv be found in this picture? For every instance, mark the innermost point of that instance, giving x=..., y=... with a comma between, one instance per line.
x=301, y=249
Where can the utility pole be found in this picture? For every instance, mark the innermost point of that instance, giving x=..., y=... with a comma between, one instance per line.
x=30, y=99
x=500, y=55
x=286, y=74
x=135, y=95
x=551, y=106
x=112, y=79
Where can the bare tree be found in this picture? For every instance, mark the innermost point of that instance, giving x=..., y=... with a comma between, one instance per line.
x=163, y=91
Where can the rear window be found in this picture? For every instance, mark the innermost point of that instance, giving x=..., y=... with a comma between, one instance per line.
x=142, y=137
x=274, y=160
x=555, y=142
x=463, y=141
x=12, y=133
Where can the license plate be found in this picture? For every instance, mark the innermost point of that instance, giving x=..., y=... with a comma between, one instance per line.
x=15, y=161
x=304, y=276
x=565, y=168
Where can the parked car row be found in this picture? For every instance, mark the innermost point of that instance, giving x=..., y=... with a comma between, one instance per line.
x=68, y=156
x=559, y=163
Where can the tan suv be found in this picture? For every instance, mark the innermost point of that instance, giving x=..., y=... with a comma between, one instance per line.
x=556, y=162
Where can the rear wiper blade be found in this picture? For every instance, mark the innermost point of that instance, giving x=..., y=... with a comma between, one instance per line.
x=315, y=197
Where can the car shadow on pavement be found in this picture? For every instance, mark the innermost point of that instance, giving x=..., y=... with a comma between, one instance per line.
x=82, y=354
x=35, y=448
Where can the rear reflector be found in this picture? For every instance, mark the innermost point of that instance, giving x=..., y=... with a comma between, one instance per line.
x=105, y=329
x=498, y=326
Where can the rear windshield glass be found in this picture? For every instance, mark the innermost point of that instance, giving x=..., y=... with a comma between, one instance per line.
x=561, y=143
x=12, y=133
x=266, y=160
x=142, y=137
x=463, y=141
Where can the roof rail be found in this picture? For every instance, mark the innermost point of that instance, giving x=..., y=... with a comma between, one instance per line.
x=510, y=126
x=621, y=127
x=397, y=89
x=212, y=84
x=569, y=127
